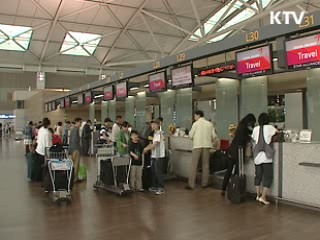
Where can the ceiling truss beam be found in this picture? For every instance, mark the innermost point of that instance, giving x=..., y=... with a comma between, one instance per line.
x=105, y=59
x=152, y=34
x=52, y=28
x=166, y=22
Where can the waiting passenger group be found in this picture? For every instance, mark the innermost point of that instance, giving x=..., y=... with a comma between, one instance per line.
x=150, y=141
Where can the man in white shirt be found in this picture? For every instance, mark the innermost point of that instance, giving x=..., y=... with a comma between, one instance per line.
x=116, y=128
x=157, y=155
x=203, y=135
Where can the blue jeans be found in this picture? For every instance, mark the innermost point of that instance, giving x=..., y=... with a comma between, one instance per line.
x=157, y=172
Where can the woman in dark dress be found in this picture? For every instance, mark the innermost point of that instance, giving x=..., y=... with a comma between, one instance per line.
x=241, y=139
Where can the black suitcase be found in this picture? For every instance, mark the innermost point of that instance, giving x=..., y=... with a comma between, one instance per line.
x=35, y=162
x=146, y=172
x=60, y=181
x=106, y=173
x=236, y=191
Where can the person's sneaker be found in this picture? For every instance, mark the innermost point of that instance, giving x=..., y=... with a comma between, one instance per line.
x=160, y=191
x=188, y=187
x=153, y=189
x=140, y=190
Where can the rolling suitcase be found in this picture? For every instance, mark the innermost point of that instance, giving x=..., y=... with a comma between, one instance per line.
x=106, y=173
x=146, y=172
x=60, y=181
x=236, y=191
x=34, y=167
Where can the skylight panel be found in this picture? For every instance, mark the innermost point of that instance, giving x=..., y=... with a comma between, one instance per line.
x=265, y=3
x=242, y=16
x=222, y=14
x=80, y=44
x=15, y=38
x=211, y=23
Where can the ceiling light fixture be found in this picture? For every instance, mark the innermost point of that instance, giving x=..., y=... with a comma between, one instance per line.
x=134, y=88
x=98, y=96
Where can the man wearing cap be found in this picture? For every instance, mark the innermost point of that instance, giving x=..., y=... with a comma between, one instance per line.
x=105, y=135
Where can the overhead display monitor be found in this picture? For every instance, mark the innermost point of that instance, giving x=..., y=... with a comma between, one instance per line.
x=303, y=52
x=67, y=102
x=254, y=62
x=88, y=98
x=80, y=99
x=108, y=93
x=122, y=90
x=217, y=70
x=62, y=105
x=158, y=82
x=182, y=77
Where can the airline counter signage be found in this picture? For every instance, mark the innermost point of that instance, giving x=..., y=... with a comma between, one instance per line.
x=122, y=90
x=254, y=62
x=108, y=93
x=303, y=52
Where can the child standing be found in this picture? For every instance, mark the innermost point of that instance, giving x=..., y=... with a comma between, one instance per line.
x=157, y=155
x=135, y=151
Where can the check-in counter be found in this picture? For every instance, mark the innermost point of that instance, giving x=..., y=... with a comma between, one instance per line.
x=181, y=158
x=296, y=169
x=301, y=173
x=181, y=155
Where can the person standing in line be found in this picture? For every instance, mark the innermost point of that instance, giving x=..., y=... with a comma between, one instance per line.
x=1, y=131
x=65, y=137
x=203, y=135
x=59, y=130
x=160, y=119
x=241, y=138
x=86, y=138
x=74, y=147
x=28, y=137
x=263, y=157
x=44, y=140
x=157, y=158
x=116, y=129
x=135, y=151
x=123, y=139
x=105, y=134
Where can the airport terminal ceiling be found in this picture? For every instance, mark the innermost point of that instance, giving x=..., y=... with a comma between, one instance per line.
x=94, y=36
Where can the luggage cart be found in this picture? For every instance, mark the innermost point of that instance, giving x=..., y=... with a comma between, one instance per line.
x=64, y=193
x=107, y=153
